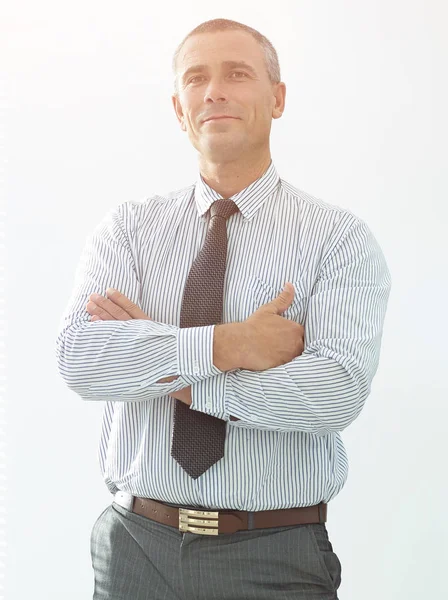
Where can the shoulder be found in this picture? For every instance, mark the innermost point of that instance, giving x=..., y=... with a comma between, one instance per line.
x=145, y=210
x=308, y=200
x=317, y=212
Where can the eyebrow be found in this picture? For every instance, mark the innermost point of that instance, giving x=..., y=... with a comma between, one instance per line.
x=227, y=63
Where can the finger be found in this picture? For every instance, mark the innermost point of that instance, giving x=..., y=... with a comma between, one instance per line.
x=95, y=318
x=127, y=305
x=93, y=309
x=100, y=303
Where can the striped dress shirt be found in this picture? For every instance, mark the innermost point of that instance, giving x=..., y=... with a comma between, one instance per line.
x=285, y=450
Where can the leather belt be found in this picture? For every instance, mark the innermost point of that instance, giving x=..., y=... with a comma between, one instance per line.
x=213, y=522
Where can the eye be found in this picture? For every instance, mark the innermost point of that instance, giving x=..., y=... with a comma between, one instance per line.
x=233, y=73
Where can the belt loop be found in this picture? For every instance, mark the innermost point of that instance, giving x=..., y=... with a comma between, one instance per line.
x=250, y=520
x=321, y=516
x=124, y=499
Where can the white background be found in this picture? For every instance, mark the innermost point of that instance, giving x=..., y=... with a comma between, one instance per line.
x=89, y=124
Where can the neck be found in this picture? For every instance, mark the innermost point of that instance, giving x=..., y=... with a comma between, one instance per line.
x=230, y=178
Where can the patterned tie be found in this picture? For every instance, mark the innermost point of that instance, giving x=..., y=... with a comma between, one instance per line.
x=198, y=438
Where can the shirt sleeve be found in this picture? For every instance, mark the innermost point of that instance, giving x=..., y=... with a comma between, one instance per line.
x=123, y=360
x=324, y=389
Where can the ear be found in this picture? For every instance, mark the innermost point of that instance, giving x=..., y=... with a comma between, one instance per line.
x=280, y=96
x=178, y=110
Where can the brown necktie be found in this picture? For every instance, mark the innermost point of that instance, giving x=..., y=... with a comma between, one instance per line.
x=198, y=439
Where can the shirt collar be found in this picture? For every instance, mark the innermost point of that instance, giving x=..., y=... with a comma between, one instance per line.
x=248, y=200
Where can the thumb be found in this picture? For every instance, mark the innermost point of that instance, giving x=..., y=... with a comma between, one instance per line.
x=285, y=298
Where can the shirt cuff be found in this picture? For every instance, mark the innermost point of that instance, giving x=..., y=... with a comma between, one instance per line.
x=208, y=395
x=195, y=354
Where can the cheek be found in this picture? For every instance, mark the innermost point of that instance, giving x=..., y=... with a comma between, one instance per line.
x=193, y=116
x=261, y=112
x=189, y=121
x=261, y=117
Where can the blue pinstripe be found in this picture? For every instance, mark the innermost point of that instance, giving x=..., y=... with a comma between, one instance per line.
x=286, y=449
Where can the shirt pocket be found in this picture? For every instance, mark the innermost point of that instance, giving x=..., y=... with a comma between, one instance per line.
x=264, y=292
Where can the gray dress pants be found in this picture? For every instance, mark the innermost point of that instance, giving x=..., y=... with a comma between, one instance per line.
x=135, y=558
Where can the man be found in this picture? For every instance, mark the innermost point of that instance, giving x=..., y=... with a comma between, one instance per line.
x=225, y=388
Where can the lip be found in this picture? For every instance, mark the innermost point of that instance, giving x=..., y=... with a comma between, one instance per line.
x=218, y=118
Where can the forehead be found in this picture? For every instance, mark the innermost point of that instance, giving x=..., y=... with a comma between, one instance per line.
x=219, y=47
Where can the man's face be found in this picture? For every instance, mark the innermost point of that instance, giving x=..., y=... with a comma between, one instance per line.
x=222, y=88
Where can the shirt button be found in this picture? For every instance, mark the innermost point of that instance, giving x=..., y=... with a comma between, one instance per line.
x=208, y=404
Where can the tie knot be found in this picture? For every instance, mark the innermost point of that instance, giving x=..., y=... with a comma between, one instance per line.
x=223, y=208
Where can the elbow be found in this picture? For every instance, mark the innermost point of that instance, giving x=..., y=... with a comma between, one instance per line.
x=343, y=414
x=68, y=367
x=70, y=375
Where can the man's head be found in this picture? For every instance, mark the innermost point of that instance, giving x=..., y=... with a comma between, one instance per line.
x=251, y=93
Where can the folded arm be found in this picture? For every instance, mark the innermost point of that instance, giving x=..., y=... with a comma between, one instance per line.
x=324, y=389
x=124, y=360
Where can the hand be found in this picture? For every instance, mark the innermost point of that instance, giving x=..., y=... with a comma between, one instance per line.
x=269, y=340
x=115, y=307
x=118, y=307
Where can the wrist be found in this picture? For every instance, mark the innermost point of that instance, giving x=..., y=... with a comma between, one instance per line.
x=227, y=340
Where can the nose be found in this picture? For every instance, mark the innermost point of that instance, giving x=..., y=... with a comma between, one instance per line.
x=215, y=92
x=215, y=98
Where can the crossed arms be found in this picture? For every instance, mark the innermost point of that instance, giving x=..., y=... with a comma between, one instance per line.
x=321, y=391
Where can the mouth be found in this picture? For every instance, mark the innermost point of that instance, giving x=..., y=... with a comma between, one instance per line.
x=217, y=119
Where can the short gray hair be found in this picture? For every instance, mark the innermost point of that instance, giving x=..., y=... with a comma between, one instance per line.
x=270, y=54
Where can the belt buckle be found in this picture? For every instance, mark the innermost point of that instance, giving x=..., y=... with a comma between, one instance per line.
x=188, y=521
